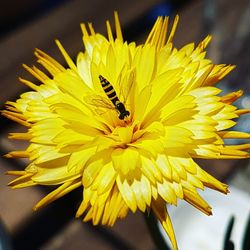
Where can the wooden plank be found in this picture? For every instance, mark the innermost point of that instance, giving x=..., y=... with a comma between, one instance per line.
x=15, y=205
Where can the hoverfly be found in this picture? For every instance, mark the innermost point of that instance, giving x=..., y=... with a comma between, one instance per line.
x=111, y=94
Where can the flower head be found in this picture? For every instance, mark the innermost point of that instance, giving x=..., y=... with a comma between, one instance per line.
x=125, y=121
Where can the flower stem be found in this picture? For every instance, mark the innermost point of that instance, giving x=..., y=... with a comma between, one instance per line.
x=156, y=234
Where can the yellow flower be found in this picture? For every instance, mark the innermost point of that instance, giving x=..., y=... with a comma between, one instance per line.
x=135, y=150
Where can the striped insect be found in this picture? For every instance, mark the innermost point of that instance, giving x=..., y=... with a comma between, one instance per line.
x=111, y=94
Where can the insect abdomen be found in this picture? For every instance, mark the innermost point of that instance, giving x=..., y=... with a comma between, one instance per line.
x=111, y=94
x=109, y=90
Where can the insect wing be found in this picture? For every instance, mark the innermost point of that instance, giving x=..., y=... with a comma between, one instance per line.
x=100, y=104
x=125, y=89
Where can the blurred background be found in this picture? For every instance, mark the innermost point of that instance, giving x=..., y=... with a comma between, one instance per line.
x=26, y=25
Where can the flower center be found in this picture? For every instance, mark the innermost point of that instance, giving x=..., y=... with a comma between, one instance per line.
x=124, y=135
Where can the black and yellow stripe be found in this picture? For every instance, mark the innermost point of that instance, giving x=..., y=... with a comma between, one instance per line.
x=109, y=90
x=111, y=94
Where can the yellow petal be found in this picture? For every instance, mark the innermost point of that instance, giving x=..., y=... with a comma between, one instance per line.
x=160, y=210
x=127, y=193
x=125, y=160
